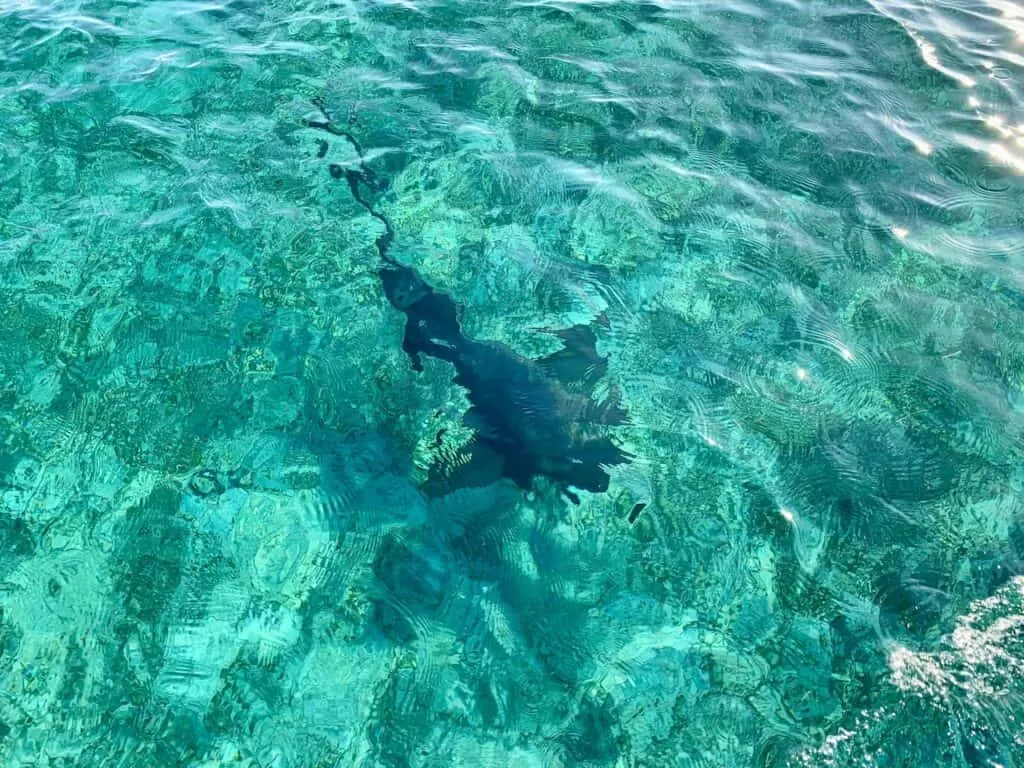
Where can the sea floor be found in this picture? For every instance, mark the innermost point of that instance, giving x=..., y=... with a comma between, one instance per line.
x=796, y=231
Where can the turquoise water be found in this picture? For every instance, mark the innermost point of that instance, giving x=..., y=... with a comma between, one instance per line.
x=796, y=230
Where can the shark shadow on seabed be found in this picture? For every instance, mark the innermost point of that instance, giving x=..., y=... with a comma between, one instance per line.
x=531, y=418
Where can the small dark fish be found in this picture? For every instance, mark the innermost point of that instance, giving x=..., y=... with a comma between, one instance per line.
x=634, y=513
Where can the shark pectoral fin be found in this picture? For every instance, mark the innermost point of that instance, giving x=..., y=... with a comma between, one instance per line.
x=577, y=365
x=474, y=466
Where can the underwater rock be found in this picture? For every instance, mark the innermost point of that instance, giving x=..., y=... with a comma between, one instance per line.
x=205, y=483
x=911, y=602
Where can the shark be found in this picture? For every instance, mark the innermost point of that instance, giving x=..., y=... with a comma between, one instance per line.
x=531, y=418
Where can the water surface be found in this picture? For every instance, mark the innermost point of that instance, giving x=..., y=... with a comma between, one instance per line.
x=797, y=229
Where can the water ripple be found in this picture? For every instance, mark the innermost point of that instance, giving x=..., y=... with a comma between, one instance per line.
x=795, y=229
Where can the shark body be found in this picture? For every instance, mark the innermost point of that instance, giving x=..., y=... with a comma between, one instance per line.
x=531, y=418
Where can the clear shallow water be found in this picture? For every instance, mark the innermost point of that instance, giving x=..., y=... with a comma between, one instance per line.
x=803, y=223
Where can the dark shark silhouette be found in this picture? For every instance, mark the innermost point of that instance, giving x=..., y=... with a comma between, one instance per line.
x=531, y=418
